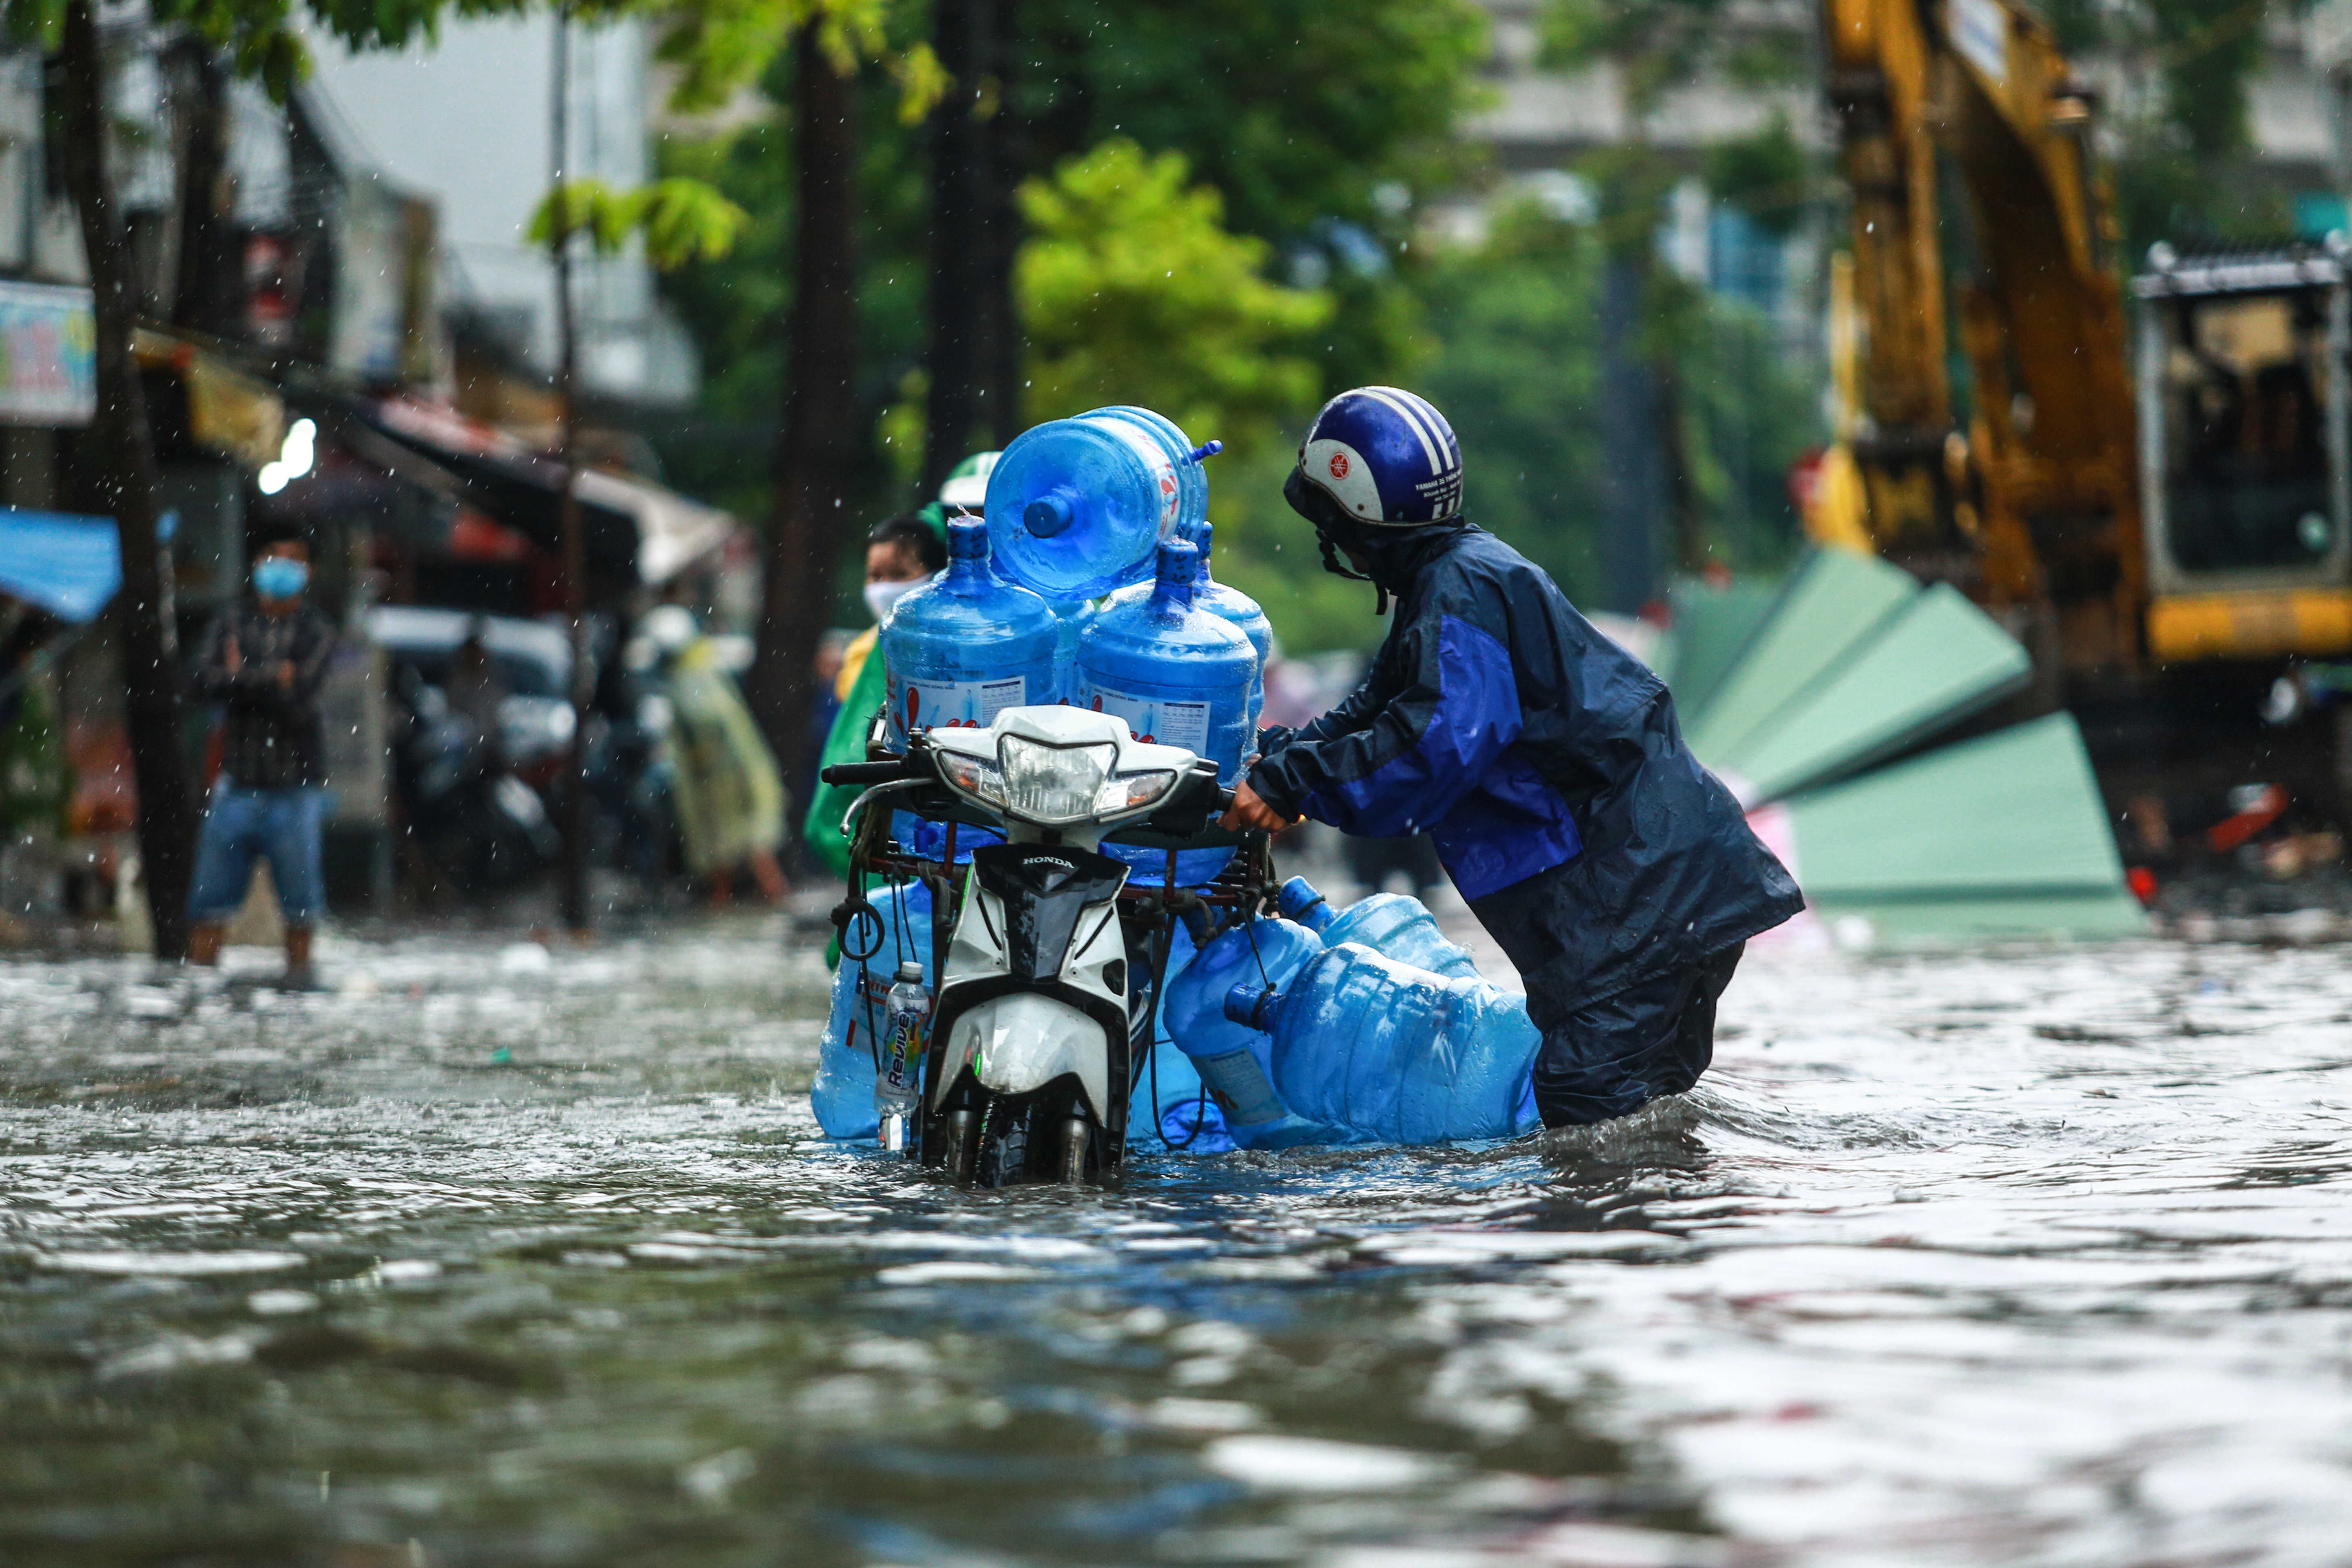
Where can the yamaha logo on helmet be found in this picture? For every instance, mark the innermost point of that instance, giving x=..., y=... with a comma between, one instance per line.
x=1390, y=456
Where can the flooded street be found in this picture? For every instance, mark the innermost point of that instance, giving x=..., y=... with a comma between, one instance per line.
x=495, y=1256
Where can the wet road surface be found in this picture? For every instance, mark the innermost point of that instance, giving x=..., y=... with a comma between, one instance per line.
x=495, y=1257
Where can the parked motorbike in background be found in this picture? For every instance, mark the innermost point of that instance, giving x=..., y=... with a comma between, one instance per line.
x=467, y=814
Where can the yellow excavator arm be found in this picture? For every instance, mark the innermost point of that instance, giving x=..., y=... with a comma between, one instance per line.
x=1991, y=431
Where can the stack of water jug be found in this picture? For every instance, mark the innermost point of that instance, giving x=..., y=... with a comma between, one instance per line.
x=1089, y=584
x=1109, y=506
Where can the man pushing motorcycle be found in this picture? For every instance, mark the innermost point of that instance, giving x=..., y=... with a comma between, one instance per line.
x=1617, y=874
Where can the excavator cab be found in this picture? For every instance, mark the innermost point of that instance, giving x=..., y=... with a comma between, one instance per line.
x=2245, y=450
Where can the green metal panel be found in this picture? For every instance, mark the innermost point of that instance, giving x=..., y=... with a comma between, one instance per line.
x=1664, y=654
x=1829, y=607
x=1935, y=661
x=2081, y=917
x=1711, y=627
x=2011, y=814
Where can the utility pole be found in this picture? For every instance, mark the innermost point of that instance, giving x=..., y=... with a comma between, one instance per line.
x=575, y=554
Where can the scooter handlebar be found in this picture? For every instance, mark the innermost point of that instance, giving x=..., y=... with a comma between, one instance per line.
x=864, y=775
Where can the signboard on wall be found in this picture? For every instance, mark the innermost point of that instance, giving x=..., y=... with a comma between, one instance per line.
x=386, y=287
x=48, y=361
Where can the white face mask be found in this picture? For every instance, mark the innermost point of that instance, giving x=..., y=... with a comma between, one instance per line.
x=881, y=596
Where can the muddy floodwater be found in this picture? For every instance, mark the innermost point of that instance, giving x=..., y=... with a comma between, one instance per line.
x=498, y=1256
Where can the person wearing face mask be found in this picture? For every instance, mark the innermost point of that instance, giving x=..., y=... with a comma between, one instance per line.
x=262, y=661
x=902, y=553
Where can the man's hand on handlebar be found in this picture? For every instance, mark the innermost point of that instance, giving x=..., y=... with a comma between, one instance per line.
x=1249, y=811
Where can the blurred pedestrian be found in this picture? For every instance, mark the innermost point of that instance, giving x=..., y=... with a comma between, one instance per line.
x=902, y=553
x=262, y=661
x=476, y=690
x=1373, y=861
x=729, y=798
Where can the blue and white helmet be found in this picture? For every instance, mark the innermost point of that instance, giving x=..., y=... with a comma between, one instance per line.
x=1386, y=456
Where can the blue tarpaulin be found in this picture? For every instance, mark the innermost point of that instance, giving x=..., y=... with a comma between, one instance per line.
x=69, y=566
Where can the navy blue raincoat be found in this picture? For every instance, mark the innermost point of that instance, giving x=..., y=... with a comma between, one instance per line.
x=1527, y=742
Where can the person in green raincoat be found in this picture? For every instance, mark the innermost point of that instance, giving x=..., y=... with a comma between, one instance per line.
x=724, y=786
x=902, y=553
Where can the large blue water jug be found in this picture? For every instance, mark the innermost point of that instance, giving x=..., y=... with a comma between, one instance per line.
x=1232, y=605
x=1076, y=616
x=1234, y=1060
x=843, y=1095
x=1227, y=604
x=1075, y=506
x=1178, y=677
x=1392, y=924
x=1191, y=480
x=1396, y=1053
x=965, y=646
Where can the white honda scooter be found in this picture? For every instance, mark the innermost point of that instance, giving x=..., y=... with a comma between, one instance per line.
x=1044, y=1005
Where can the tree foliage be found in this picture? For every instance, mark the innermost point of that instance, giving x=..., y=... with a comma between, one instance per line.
x=1519, y=373
x=723, y=45
x=1314, y=126
x=1294, y=110
x=2182, y=148
x=1132, y=290
x=681, y=219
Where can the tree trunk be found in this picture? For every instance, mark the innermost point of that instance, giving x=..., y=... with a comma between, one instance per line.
x=817, y=444
x=1633, y=477
x=1688, y=523
x=962, y=159
x=1008, y=149
x=205, y=295
x=124, y=451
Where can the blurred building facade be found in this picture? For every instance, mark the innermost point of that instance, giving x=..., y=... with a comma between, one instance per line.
x=344, y=328
x=467, y=125
x=1544, y=122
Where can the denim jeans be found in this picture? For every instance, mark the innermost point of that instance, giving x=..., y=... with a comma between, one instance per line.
x=281, y=826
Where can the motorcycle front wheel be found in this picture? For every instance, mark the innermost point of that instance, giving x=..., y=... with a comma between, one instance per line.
x=1044, y=1137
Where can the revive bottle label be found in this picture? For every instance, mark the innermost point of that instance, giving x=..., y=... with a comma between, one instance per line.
x=1157, y=720
x=917, y=704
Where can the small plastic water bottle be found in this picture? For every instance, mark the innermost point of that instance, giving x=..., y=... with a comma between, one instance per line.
x=898, y=1071
x=843, y=1094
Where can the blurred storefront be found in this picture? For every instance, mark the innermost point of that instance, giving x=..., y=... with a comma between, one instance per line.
x=313, y=356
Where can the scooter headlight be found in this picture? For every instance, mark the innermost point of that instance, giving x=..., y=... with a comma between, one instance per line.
x=1053, y=784
x=973, y=776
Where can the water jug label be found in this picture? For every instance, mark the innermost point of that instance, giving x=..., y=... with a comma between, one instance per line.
x=1240, y=1087
x=951, y=704
x=1155, y=463
x=1156, y=719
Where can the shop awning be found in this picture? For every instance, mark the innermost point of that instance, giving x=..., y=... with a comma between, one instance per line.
x=69, y=566
x=230, y=412
x=629, y=524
